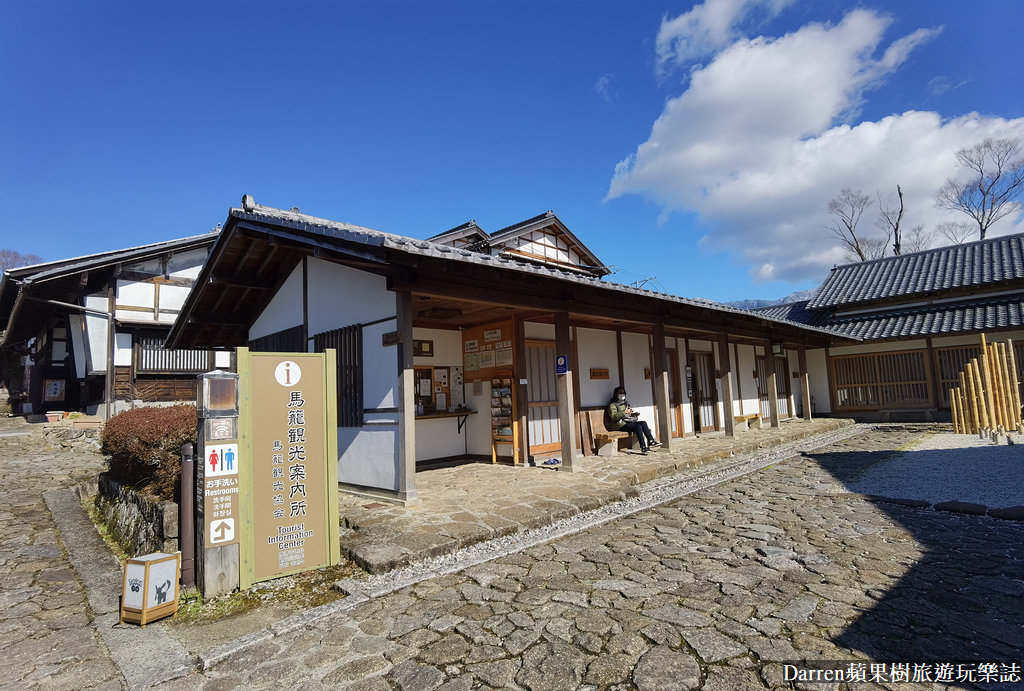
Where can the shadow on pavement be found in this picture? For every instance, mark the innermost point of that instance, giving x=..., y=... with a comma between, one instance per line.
x=962, y=600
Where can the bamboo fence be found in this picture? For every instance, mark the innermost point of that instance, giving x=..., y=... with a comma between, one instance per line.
x=988, y=399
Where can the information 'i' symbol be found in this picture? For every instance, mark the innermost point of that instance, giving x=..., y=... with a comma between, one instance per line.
x=287, y=373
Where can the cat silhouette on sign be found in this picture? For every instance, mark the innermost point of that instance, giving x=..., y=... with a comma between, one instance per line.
x=161, y=592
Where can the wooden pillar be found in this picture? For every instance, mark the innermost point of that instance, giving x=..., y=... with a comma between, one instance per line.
x=974, y=374
x=986, y=385
x=1011, y=361
x=725, y=364
x=953, y=409
x=406, y=401
x=660, y=377
x=109, y=393
x=805, y=382
x=773, y=390
x=520, y=384
x=970, y=411
x=563, y=389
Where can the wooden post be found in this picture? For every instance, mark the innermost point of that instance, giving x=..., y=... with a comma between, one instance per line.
x=564, y=390
x=977, y=397
x=1000, y=385
x=805, y=382
x=1014, y=381
x=986, y=384
x=1007, y=388
x=970, y=410
x=406, y=401
x=965, y=418
x=725, y=365
x=953, y=393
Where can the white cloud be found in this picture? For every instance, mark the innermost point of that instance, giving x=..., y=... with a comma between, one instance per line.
x=706, y=28
x=765, y=135
x=603, y=87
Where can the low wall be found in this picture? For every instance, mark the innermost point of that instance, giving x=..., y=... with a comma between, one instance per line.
x=139, y=524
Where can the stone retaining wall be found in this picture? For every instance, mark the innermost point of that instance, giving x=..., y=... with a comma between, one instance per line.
x=141, y=525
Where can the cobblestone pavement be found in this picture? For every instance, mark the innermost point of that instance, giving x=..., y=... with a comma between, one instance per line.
x=45, y=630
x=713, y=591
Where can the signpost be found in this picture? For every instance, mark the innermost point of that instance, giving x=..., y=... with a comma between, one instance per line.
x=289, y=481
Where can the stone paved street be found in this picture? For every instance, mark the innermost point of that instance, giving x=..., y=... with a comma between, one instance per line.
x=45, y=630
x=711, y=591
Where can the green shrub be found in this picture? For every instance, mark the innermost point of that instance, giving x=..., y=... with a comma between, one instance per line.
x=144, y=447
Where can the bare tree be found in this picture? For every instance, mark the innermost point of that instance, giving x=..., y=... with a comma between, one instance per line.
x=918, y=239
x=10, y=259
x=956, y=233
x=874, y=248
x=889, y=218
x=994, y=187
x=847, y=209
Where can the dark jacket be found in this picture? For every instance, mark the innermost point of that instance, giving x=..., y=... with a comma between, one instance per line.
x=615, y=415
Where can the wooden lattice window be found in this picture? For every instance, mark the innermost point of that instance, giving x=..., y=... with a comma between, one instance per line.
x=284, y=341
x=152, y=358
x=877, y=381
x=348, y=344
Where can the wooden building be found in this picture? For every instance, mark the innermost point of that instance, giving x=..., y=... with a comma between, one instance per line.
x=478, y=346
x=919, y=317
x=87, y=333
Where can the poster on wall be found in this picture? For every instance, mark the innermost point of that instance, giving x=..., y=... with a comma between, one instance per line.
x=472, y=362
x=472, y=346
x=486, y=359
x=503, y=357
x=492, y=335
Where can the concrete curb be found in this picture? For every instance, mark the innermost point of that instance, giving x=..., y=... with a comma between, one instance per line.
x=145, y=656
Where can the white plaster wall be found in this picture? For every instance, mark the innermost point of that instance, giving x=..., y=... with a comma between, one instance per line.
x=817, y=369
x=597, y=349
x=540, y=332
x=478, y=427
x=975, y=340
x=441, y=438
x=96, y=334
x=879, y=347
x=380, y=366
x=339, y=296
x=284, y=310
x=748, y=384
x=122, y=350
x=222, y=359
x=636, y=355
x=368, y=455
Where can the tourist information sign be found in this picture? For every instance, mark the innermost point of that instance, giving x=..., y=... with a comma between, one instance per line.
x=289, y=484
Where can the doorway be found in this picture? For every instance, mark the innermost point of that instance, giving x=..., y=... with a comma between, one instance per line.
x=675, y=395
x=705, y=394
x=542, y=398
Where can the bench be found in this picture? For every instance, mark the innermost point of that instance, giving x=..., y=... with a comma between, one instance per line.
x=605, y=443
x=744, y=422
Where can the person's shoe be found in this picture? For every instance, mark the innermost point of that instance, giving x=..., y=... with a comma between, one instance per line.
x=644, y=450
x=654, y=443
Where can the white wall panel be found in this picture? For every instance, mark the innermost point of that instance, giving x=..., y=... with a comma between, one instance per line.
x=597, y=349
x=284, y=310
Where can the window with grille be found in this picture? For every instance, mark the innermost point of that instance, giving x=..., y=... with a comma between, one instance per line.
x=285, y=341
x=348, y=345
x=881, y=381
x=152, y=358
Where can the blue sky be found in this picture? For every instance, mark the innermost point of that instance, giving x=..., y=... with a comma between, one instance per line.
x=698, y=145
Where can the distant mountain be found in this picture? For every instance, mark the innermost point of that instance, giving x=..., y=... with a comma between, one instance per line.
x=754, y=303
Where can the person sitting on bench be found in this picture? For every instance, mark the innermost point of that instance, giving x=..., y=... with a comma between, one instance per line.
x=621, y=416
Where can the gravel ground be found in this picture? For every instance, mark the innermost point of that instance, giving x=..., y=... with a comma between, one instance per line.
x=951, y=467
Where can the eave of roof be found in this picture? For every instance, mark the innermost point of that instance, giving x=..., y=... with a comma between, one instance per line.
x=328, y=234
x=936, y=320
x=986, y=263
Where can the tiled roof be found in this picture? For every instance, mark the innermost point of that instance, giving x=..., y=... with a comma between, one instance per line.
x=983, y=263
x=795, y=312
x=367, y=236
x=933, y=320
